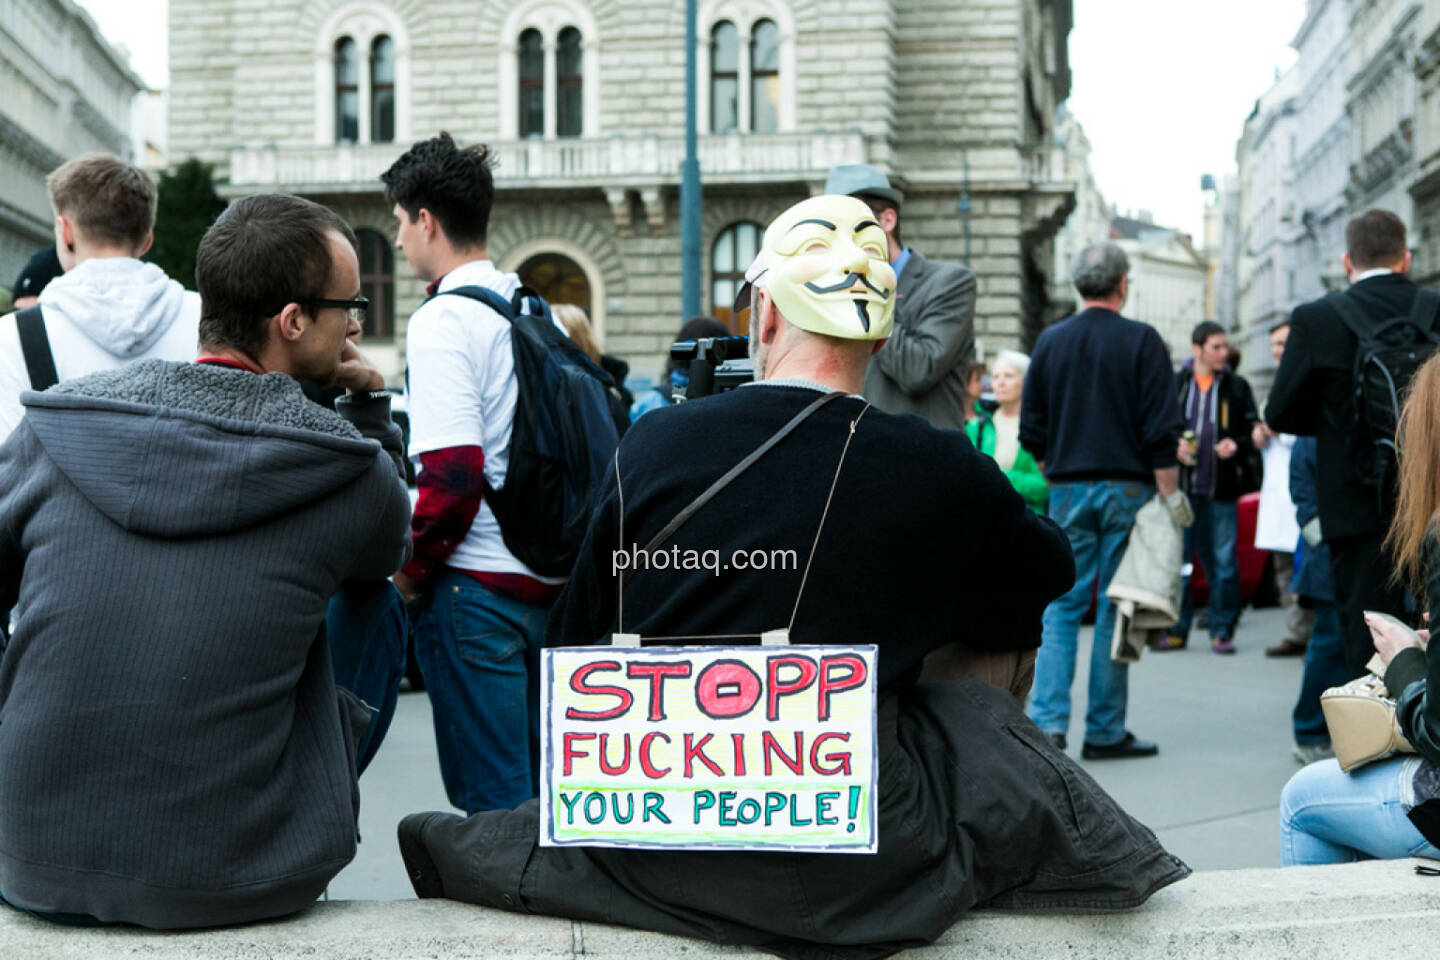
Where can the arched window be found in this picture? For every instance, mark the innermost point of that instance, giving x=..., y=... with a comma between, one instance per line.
x=377, y=283
x=724, y=78
x=568, y=81
x=382, y=90
x=532, y=84
x=734, y=248
x=557, y=278
x=347, y=91
x=765, y=77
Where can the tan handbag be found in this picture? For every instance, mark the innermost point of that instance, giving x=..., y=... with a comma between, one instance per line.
x=1362, y=721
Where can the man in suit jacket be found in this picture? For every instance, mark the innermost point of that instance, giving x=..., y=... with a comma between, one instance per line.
x=923, y=368
x=1313, y=396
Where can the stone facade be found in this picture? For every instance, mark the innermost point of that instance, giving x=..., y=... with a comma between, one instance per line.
x=63, y=92
x=1381, y=106
x=954, y=99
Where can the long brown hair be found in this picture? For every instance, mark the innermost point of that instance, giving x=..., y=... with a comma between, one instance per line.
x=1418, y=503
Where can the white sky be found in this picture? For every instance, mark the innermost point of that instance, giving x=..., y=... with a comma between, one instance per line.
x=141, y=25
x=1163, y=88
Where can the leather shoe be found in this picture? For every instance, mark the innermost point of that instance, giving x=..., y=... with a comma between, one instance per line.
x=1130, y=746
x=1286, y=648
x=419, y=865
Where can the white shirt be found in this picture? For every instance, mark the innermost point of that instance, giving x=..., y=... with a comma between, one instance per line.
x=1377, y=272
x=462, y=393
x=101, y=315
x=1275, y=525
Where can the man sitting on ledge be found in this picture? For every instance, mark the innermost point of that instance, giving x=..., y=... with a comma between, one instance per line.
x=922, y=547
x=173, y=752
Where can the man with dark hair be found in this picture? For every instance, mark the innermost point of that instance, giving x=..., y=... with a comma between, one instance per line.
x=1100, y=417
x=34, y=277
x=479, y=629
x=924, y=368
x=175, y=747
x=1313, y=395
x=1219, y=412
x=109, y=308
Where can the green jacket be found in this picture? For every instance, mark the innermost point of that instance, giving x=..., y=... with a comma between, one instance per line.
x=1024, y=476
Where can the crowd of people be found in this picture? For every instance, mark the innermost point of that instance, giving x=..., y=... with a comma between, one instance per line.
x=214, y=569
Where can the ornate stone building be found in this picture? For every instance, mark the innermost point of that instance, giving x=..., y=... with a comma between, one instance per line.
x=1169, y=279
x=1088, y=223
x=63, y=92
x=1381, y=105
x=583, y=102
x=1426, y=189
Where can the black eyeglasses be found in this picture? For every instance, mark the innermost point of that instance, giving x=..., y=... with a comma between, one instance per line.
x=355, y=309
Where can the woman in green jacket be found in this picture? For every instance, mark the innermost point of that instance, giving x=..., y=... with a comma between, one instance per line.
x=997, y=434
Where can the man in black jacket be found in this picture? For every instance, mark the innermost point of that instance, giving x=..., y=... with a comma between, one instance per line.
x=1313, y=396
x=971, y=790
x=1219, y=411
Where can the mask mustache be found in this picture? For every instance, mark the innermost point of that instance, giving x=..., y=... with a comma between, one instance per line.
x=846, y=284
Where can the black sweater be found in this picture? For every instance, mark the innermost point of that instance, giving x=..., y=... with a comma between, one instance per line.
x=926, y=540
x=1099, y=400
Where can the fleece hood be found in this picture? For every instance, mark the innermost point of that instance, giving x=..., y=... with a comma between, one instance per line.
x=180, y=449
x=121, y=303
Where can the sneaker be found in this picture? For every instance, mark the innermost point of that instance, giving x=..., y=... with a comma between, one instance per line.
x=1058, y=739
x=1168, y=642
x=1308, y=753
x=1286, y=648
x=1222, y=645
x=1131, y=746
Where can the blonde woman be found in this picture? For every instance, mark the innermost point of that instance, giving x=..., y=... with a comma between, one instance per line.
x=577, y=327
x=1391, y=808
x=997, y=434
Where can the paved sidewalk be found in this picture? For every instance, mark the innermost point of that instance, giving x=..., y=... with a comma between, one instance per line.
x=1222, y=722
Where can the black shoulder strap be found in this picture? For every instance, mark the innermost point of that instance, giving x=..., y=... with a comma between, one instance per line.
x=35, y=345
x=709, y=493
x=1350, y=314
x=491, y=299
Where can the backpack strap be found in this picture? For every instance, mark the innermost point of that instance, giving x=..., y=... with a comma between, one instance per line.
x=1355, y=319
x=506, y=308
x=35, y=345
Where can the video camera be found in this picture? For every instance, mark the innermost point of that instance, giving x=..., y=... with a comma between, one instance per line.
x=717, y=364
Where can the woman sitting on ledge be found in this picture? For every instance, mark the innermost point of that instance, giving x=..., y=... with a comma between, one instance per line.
x=1391, y=808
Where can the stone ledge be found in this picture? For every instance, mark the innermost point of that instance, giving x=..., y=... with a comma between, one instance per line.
x=1318, y=913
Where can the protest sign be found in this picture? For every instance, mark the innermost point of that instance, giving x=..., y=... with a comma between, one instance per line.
x=700, y=748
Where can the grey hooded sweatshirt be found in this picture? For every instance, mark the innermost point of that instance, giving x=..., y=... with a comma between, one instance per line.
x=173, y=752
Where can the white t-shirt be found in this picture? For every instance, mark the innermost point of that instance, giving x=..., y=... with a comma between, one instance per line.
x=462, y=393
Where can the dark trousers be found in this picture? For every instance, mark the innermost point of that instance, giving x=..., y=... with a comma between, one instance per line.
x=1324, y=668
x=1360, y=572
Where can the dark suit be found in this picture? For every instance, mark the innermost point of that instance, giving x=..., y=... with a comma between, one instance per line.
x=922, y=368
x=1313, y=396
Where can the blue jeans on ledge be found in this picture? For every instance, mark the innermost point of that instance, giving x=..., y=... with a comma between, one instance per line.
x=1212, y=536
x=480, y=654
x=1331, y=817
x=1096, y=516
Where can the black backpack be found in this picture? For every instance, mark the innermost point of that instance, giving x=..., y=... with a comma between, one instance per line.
x=1386, y=356
x=562, y=441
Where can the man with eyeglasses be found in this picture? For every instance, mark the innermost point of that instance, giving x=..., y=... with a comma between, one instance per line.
x=179, y=748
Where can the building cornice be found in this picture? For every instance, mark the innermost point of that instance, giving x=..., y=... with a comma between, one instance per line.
x=13, y=136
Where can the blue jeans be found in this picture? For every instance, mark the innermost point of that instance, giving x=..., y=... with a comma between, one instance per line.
x=1331, y=817
x=368, y=629
x=1212, y=536
x=1324, y=668
x=1096, y=516
x=480, y=655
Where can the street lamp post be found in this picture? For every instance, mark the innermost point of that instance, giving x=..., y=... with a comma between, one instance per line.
x=690, y=183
